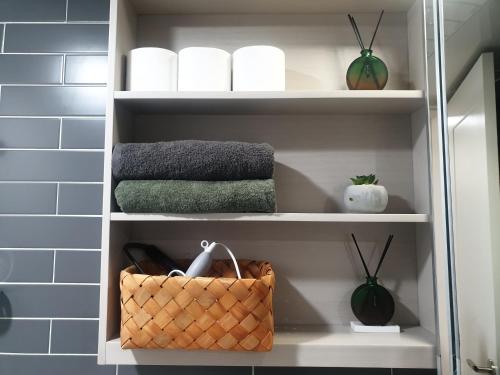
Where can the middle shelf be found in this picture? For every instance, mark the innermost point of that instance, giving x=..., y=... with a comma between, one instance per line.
x=413, y=348
x=278, y=217
x=288, y=102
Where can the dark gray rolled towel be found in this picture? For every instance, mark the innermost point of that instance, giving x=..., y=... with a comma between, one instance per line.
x=193, y=160
x=178, y=196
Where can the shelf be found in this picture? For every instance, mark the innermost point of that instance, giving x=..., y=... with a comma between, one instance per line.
x=287, y=102
x=337, y=347
x=278, y=217
x=267, y=6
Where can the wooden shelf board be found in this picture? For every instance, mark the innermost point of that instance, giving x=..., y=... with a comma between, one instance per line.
x=278, y=217
x=294, y=102
x=267, y=6
x=304, y=346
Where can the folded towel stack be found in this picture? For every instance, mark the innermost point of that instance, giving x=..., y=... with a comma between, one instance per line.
x=194, y=177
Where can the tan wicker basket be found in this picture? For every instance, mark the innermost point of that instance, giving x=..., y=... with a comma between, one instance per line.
x=219, y=312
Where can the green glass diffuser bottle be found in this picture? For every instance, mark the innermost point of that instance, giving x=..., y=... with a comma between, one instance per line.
x=367, y=72
x=371, y=303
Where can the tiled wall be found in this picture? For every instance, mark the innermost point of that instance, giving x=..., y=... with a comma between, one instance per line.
x=52, y=81
x=52, y=101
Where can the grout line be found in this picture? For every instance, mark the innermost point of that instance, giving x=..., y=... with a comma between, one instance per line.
x=63, y=72
x=54, y=267
x=57, y=198
x=3, y=36
x=20, y=318
x=50, y=336
x=60, y=132
x=116, y=370
x=47, y=284
x=67, y=7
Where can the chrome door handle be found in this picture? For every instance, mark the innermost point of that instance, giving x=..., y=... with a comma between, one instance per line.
x=491, y=369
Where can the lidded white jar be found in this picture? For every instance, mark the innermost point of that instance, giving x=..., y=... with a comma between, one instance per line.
x=259, y=68
x=151, y=69
x=204, y=69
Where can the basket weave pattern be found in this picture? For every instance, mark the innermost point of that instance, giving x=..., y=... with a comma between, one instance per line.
x=219, y=312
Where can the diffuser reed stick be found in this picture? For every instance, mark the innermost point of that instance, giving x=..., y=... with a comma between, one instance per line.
x=376, y=29
x=356, y=31
x=361, y=256
x=387, y=244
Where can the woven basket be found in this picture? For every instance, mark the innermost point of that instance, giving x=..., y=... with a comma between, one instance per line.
x=219, y=312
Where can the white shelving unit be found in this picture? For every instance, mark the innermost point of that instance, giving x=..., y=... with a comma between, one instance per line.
x=295, y=102
x=278, y=217
x=326, y=347
x=322, y=134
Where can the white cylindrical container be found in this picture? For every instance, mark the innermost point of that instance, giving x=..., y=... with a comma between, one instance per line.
x=204, y=69
x=366, y=198
x=152, y=69
x=259, y=68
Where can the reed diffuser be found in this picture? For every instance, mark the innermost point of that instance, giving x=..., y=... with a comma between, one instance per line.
x=371, y=303
x=367, y=72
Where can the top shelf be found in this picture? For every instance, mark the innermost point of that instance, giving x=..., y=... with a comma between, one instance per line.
x=287, y=102
x=268, y=6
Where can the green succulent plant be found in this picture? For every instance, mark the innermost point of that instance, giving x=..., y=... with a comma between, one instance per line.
x=365, y=180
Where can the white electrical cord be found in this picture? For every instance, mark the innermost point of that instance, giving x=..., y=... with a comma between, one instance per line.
x=230, y=254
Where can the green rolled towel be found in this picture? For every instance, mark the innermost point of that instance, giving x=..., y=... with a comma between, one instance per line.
x=181, y=196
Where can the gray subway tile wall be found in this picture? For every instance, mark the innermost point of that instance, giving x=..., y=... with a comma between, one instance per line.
x=65, y=38
x=32, y=10
x=52, y=81
x=52, y=101
x=53, y=365
x=50, y=301
x=77, y=266
x=28, y=198
x=86, y=69
x=53, y=165
x=82, y=133
x=88, y=10
x=29, y=132
x=80, y=199
x=32, y=69
x=52, y=106
x=83, y=334
x=28, y=266
x=50, y=232
x=24, y=336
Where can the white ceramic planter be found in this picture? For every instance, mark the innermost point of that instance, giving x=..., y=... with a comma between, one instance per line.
x=366, y=198
x=204, y=69
x=259, y=68
x=152, y=69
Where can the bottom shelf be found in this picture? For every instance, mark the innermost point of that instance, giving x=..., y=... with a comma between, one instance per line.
x=303, y=346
